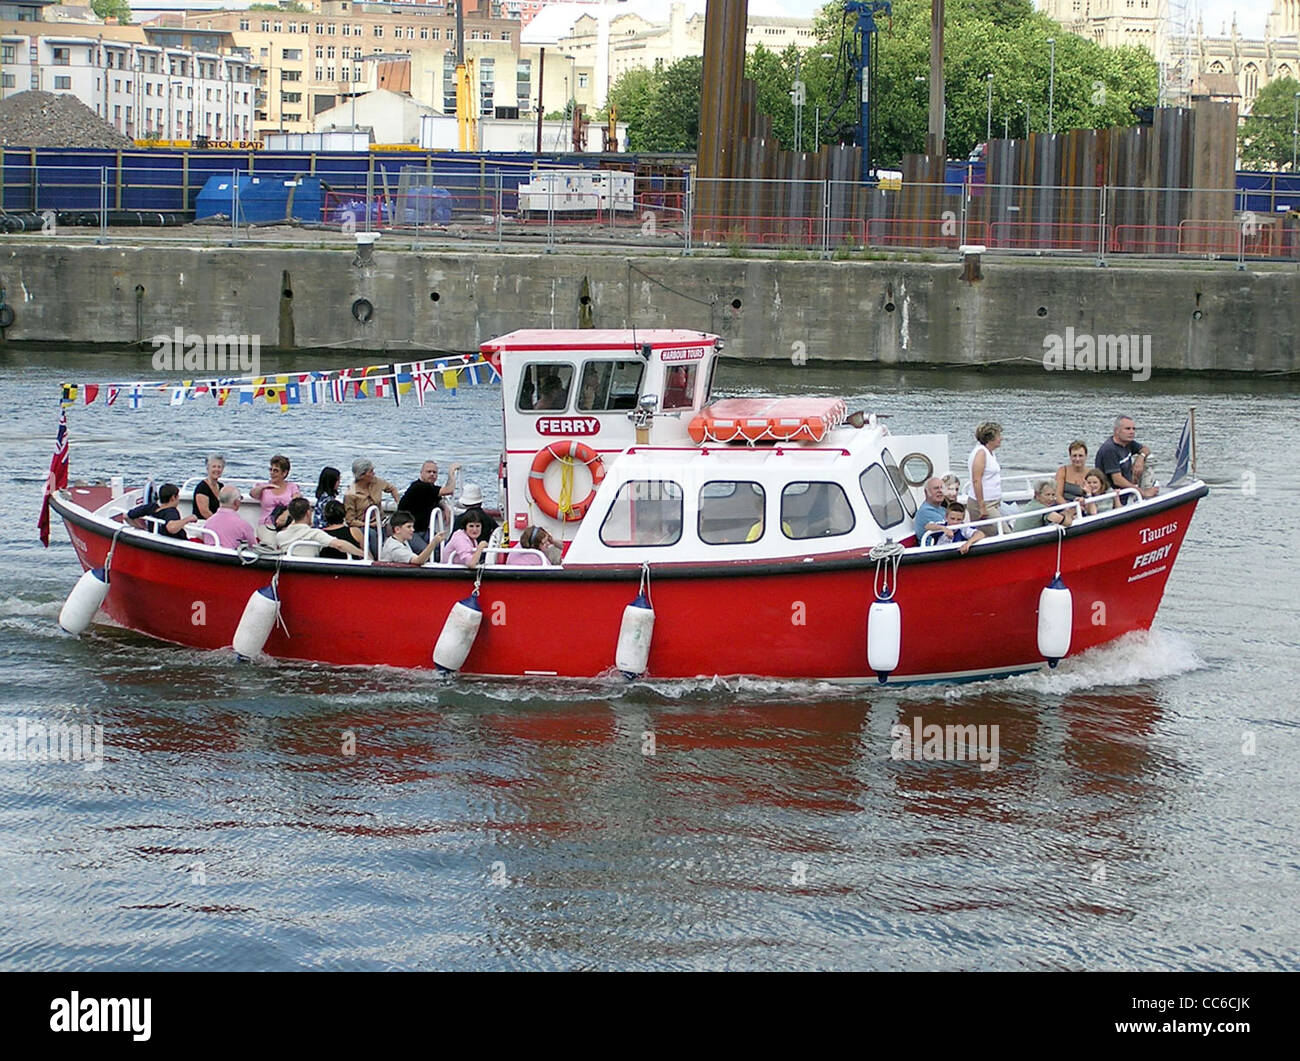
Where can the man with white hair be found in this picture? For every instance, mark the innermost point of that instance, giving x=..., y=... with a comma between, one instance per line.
x=367, y=489
x=930, y=516
x=231, y=529
x=1122, y=458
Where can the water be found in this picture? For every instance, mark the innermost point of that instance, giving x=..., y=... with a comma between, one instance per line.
x=1142, y=815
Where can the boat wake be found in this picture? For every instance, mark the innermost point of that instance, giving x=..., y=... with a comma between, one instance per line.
x=1142, y=656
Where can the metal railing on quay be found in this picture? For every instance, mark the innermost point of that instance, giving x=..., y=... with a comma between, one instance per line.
x=195, y=199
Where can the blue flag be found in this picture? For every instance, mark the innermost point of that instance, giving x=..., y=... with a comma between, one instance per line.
x=1183, y=453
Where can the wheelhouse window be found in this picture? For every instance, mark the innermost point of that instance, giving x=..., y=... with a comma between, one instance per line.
x=899, y=483
x=679, y=387
x=610, y=385
x=731, y=513
x=645, y=512
x=883, y=501
x=815, y=510
x=545, y=387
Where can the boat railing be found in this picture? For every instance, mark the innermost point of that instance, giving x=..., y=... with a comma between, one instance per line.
x=365, y=530
x=502, y=552
x=931, y=537
x=779, y=451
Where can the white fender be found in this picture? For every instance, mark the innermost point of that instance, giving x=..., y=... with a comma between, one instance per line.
x=884, y=637
x=256, y=623
x=84, y=601
x=634, y=637
x=1055, y=621
x=458, y=634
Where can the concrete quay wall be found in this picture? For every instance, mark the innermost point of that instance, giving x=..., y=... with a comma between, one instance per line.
x=889, y=312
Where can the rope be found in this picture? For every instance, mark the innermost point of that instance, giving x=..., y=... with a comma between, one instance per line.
x=108, y=560
x=887, y=555
x=565, y=501
x=672, y=291
x=275, y=588
x=478, y=579
x=1060, y=541
x=644, y=588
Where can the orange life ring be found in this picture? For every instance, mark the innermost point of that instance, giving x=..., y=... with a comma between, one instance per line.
x=548, y=455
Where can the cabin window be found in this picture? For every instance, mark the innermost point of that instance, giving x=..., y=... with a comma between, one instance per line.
x=731, y=513
x=610, y=385
x=545, y=387
x=900, y=484
x=645, y=512
x=679, y=387
x=881, y=497
x=815, y=510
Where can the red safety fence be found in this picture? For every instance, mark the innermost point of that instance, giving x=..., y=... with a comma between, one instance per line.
x=1044, y=235
x=907, y=232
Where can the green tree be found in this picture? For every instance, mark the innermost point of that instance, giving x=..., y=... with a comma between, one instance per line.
x=118, y=9
x=289, y=5
x=1268, y=136
x=632, y=95
x=1095, y=86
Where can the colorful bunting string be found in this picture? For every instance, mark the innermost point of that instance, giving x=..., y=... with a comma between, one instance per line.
x=396, y=381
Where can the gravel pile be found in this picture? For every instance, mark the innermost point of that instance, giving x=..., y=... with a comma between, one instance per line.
x=54, y=119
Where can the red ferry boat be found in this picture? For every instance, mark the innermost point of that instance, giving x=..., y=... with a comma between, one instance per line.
x=761, y=537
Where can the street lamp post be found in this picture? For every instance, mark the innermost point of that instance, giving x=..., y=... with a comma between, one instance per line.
x=1295, y=128
x=1051, y=90
x=988, y=131
x=1026, y=105
x=573, y=82
x=817, y=116
x=1006, y=128
x=798, y=97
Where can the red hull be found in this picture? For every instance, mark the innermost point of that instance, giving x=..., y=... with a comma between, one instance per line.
x=961, y=616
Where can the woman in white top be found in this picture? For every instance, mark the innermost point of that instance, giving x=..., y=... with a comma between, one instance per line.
x=986, y=474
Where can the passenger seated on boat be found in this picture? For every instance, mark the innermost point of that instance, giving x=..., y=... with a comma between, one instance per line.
x=1094, y=483
x=955, y=529
x=164, y=510
x=327, y=490
x=467, y=544
x=1122, y=459
x=274, y=496
x=930, y=516
x=230, y=528
x=471, y=499
x=301, y=530
x=206, y=494
x=1044, y=497
x=336, y=527
x=367, y=489
x=1069, y=477
x=533, y=538
x=951, y=488
x=397, y=549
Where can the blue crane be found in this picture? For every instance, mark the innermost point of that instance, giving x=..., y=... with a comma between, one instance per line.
x=864, y=39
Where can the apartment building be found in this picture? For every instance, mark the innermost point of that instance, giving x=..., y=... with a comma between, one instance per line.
x=312, y=61
x=142, y=83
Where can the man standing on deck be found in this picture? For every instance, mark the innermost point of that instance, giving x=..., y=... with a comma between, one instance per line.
x=1121, y=458
x=424, y=495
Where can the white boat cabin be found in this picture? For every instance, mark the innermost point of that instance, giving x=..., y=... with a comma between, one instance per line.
x=612, y=444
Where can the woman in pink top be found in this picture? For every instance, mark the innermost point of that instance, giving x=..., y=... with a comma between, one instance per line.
x=533, y=538
x=279, y=491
